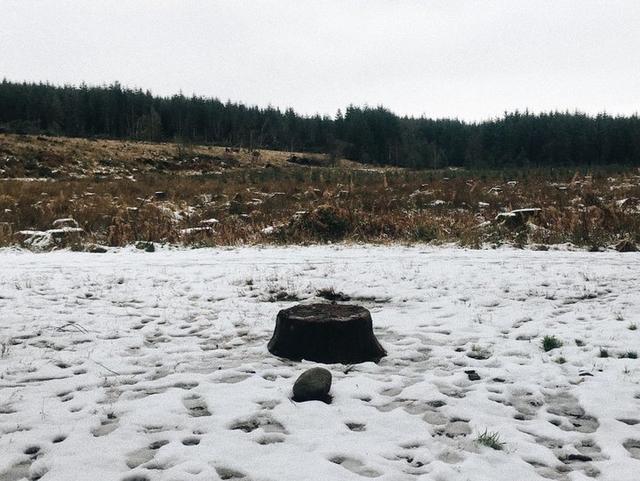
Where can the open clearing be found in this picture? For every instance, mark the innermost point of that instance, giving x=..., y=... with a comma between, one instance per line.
x=134, y=366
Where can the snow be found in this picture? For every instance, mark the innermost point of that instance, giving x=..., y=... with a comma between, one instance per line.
x=153, y=366
x=39, y=240
x=67, y=222
x=197, y=230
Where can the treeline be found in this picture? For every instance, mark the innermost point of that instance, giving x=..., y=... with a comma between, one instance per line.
x=370, y=135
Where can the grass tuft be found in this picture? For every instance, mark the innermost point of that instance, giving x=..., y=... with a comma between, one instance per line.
x=629, y=355
x=491, y=440
x=550, y=342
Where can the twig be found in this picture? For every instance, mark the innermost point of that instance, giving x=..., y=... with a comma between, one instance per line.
x=105, y=367
x=73, y=324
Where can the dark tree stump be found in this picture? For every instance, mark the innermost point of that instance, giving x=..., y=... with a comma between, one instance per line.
x=329, y=333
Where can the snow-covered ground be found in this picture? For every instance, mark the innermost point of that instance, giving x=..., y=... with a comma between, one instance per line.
x=153, y=366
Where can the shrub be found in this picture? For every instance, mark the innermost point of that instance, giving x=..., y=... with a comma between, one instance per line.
x=326, y=222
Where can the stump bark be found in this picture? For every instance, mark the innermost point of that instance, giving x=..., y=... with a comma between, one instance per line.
x=329, y=333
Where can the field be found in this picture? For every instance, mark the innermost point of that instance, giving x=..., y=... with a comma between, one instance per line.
x=120, y=193
x=502, y=364
x=506, y=302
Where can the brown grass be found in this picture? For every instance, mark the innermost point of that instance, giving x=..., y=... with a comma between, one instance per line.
x=62, y=157
x=302, y=204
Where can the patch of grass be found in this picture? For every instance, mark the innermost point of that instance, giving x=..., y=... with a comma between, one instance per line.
x=111, y=192
x=561, y=360
x=603, y=352
x=330, y=294
x=579, y=343
x=5, y=346
x=550, y=342
x=629, y=355
x=491, y=440
x=277, y=293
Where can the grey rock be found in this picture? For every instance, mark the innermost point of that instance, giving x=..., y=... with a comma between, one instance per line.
x=313, y=385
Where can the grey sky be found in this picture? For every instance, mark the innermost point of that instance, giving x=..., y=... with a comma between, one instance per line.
x=471, y=59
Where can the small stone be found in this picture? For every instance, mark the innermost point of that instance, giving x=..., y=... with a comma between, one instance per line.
x=313, y=385
x=146, y=246
x=472, y=375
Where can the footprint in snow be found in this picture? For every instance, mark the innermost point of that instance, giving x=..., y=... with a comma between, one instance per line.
x=138, y=457
x=228, y=473
x=454, y=428
x=355, y=466
x=633, y=447
x=274, y=438
x=196, y=406
x=525, y=402
x=565, y=405
x=262, y=421
x=411, y=462
x=191, y=441
x=107, y=426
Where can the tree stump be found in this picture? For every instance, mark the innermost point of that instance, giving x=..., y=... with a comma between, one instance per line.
x=329, y=333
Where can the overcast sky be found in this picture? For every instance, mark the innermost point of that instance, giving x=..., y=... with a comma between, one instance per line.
x=471, y=59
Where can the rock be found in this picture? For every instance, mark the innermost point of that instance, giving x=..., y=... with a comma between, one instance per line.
x=43, y=240
x=160, y=195
x=96, y=249
x=313, y=385
x=472, y=375
x=146, y=246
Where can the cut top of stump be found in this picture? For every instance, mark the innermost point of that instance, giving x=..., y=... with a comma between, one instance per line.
x=329, y=333
x=327, y=313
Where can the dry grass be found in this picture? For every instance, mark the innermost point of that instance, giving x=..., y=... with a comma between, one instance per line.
x=319, y=204
x=61, y=157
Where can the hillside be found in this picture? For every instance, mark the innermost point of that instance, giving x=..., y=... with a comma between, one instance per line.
x=39, y=156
